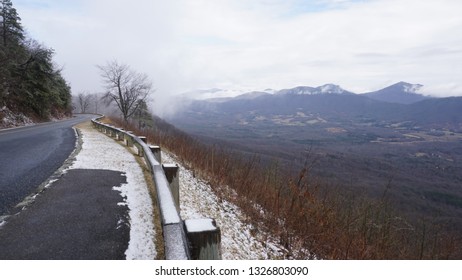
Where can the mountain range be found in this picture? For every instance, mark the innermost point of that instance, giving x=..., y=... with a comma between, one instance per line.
x=402, y=93
x=400, y=102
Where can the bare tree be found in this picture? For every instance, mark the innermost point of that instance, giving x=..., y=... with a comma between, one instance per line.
x=127, y=88
x=95, y=99
x=84, y=101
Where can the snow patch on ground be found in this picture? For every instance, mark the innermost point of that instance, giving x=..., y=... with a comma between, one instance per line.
x=239, y=239
x=101, y=152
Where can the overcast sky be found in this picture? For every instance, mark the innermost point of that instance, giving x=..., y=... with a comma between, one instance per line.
x=361, y=45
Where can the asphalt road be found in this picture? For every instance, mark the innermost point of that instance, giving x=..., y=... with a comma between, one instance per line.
x=29, y=155
x=79, y=217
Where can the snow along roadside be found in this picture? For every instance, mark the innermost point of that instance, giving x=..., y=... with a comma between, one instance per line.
x=239, y=239
x=101, y=152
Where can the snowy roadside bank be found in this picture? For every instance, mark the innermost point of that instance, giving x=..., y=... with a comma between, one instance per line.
x=9, y=119
x=101, y=152
x=239, y=239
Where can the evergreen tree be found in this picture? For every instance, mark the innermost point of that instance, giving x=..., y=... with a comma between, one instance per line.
x=11, y=48
x=12, y=31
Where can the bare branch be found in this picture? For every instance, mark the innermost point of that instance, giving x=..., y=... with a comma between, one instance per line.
x=125, y=87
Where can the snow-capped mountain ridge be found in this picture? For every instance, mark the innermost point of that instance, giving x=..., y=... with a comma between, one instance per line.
x=402, y=92
x=325, y=89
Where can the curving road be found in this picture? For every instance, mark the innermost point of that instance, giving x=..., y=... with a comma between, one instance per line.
x=29, y=155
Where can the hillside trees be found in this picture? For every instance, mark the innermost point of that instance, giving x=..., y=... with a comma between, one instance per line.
x=125, y=87
x=30, y=83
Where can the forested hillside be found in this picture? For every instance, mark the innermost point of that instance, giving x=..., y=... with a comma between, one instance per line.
x=31, y=85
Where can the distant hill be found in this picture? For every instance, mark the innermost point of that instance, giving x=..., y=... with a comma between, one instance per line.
x=219, y=95
x=251, y=95
x=402, y=92
x=437, y=112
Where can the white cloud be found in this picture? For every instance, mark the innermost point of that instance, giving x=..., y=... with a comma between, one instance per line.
x=183, y=45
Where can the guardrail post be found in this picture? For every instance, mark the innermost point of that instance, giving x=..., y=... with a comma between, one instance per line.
x=172, y=173
x=139, y=147
x=204, y=238
x=156, y=151
x=120, y=134
x=128, y=139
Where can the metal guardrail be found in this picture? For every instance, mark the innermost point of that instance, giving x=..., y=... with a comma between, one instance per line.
x=175, y=239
